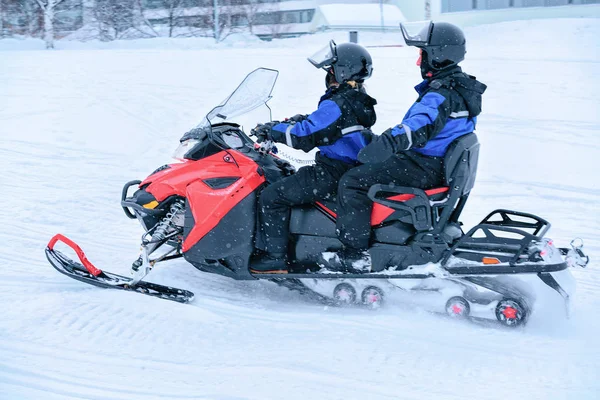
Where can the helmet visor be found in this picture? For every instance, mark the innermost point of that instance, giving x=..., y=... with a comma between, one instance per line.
x=324, y=57
x=417, y=33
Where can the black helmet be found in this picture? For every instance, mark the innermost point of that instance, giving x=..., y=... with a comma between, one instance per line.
x=443, y=44
x=349, y=61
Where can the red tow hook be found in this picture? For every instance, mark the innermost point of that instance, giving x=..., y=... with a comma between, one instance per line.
x=86, y=263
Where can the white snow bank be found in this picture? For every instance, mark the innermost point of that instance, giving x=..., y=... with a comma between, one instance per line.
x=237, y=40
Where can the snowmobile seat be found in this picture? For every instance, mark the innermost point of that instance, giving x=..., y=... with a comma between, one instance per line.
x=417, y=207
x=401, y=212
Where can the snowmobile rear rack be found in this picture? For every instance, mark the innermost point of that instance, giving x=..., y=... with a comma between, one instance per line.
x=507, y=239
x=540, y=227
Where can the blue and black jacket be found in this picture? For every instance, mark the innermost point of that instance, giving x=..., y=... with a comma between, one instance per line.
x=447, y=108
x=334, y=127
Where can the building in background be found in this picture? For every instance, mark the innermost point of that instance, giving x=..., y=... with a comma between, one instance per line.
x=468, y=5
x=414, y=10
x=272, y=18
x=115, y=19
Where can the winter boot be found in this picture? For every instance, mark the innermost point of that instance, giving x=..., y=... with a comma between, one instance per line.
x=270, y=263
x=355, y=260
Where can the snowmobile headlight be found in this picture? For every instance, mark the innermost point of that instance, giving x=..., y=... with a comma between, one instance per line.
x=184, y=148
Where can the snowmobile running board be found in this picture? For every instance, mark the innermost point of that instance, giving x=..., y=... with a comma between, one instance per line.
x=86, y=272
x=452, y=271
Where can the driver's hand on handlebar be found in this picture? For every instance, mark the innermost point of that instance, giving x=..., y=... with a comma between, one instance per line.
x=297, y=118
x=263, y=131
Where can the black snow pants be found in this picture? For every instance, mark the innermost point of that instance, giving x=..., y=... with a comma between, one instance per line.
x=311, y=183
x=354, y=206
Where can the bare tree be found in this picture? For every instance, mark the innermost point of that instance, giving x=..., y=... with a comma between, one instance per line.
x=140, y=22
x=2, y=16
x=224, y=10
x=250, y=10
x=48, y=8
x=33, y=18
x=175, y=10
x=114, y=17
x=247, y=10
x=11, y=17
x=277, y=27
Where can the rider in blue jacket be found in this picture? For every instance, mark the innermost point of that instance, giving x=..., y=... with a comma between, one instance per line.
x=334, y=128
x=412, y=152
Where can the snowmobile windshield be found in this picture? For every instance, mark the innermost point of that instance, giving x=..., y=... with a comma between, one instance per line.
x=324, y=57
x=417, y=33
x=254, y=91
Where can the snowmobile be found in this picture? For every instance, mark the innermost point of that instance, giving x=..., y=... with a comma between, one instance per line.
x=204, y=208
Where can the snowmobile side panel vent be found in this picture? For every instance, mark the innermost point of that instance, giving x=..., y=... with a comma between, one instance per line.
x=161, y=168
x=220, y=183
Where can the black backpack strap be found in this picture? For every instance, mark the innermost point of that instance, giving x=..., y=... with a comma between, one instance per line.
x=359, y=102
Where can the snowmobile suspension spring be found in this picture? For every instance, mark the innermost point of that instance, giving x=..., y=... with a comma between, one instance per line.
x=167, y=222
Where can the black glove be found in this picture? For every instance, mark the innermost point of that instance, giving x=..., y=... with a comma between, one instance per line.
x=263, y=131
x=380, y=149
x=368, y=135
x=297, y=118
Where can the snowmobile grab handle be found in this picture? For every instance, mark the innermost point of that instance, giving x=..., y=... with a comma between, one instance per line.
x=86, y=263
x=124, y=196
x=417, y=206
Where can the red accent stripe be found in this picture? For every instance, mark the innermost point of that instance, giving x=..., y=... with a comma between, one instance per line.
x=327, y=210
x=381, y=212
x=86, y=263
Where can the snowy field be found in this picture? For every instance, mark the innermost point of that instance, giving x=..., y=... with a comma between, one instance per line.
x=78, y=122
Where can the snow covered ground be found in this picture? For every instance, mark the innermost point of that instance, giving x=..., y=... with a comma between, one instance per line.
x=75, y=125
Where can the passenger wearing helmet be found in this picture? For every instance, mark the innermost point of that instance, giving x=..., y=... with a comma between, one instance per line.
x=334, y=128
x=412, y=152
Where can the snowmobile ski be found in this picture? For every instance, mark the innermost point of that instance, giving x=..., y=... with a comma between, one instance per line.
x=85, y=271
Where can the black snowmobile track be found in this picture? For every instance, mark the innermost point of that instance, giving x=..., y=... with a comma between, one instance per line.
x=297, y=286
x=77, y=271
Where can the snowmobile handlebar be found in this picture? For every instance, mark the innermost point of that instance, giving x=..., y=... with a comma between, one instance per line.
x=266, y=147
